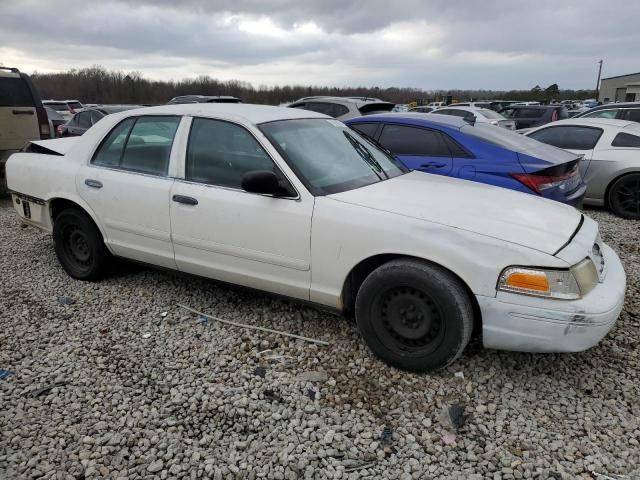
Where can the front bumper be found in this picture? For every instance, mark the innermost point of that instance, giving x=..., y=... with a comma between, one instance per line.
x=532, y=324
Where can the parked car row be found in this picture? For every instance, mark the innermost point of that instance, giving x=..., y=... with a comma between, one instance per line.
x=295, y=203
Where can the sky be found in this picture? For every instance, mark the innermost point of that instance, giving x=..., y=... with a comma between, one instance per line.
x=428, y=44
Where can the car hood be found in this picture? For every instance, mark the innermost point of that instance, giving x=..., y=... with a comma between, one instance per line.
x=506, y=215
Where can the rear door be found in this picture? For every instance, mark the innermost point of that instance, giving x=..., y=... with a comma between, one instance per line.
x=128, y=183
x=418, y=148
x=18, y=116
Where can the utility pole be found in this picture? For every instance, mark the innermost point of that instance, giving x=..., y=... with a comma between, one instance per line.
x=598, y=82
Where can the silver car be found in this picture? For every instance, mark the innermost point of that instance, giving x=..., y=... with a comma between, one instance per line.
x=343, y=108
x=611, y=163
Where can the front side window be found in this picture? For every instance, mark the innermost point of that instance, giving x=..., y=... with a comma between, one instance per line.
x=328, y=157
x=569, y=137
x=139, y=144
x=602, y=114
x=369, y=129
x=404, y=140
x=220, y=153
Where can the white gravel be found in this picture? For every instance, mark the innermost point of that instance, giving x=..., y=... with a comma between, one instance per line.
x=141, y=395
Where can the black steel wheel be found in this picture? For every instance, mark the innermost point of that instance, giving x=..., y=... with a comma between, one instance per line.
x=624, y=196
x=79, y=245
x=414, y=315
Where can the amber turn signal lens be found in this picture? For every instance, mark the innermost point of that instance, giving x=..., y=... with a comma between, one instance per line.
x=529, y=281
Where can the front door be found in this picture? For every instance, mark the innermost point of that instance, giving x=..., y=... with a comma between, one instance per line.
x=223, y=232
x=127, y=184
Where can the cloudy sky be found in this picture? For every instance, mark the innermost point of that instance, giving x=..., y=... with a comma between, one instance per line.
x=431, y=44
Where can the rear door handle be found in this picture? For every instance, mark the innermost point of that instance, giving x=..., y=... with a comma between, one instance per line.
x=185, y=200
x=93, y=183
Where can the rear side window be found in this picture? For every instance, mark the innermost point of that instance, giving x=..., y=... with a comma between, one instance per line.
x=529, y=112
x=369, y=129
x=60, y=107
x=403, y=140
x=14, y=92
x=96, y=116
x=569, y=137
x=321, y=107
x=632, y=114
x=453, y=112
x=84, y=119
x=141, y=144
x=626, y=140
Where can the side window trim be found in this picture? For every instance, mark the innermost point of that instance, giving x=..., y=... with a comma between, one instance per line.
x=379, y=134
x=182, y=176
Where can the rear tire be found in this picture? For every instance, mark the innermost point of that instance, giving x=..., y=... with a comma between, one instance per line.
x=624, y=196
x=79, y=245
x=414, y=315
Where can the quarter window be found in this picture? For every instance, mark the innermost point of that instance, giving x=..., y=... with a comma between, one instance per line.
x=403, y=140
x=569, y=137
x=139, y=144
x=626, y=140
x=220, y=153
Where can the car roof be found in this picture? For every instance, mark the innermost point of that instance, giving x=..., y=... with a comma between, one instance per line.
x=243, y=112
x=607, y=106
x=358, y=101
x=423, y=118
x=592, y=122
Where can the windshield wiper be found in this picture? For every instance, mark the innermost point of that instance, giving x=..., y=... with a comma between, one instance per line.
x=366, y=156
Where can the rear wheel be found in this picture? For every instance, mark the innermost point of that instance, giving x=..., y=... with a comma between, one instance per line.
x=413, y=315
x=624, y=196
x=79, y=245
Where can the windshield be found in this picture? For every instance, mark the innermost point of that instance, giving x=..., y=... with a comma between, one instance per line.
x=328, y=156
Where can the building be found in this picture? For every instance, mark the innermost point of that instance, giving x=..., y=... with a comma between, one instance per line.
x=623, y=88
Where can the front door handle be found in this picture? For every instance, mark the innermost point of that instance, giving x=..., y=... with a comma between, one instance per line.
x=93, y=183
x=184, y=199
x=22, y=112
x=433, y=165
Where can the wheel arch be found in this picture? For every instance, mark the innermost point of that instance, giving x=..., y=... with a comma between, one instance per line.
x=360, y=271
x=59, y=203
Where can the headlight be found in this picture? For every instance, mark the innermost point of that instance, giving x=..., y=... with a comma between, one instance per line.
x=569, y=284
x=541, y=283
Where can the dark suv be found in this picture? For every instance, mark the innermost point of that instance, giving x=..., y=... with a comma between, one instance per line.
x=527, y=116
x=621, y=111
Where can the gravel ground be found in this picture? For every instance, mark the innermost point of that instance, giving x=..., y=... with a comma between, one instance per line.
x=136, y=394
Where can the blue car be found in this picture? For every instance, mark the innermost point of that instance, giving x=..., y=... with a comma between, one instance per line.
x=451, y=146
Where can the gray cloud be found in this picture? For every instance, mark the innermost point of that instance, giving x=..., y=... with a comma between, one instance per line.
x=435, y=44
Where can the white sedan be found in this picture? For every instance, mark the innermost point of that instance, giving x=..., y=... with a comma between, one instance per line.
x=295, y=203
x=475, y=114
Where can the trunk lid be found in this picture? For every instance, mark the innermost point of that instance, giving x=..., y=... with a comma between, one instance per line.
x=507, y=215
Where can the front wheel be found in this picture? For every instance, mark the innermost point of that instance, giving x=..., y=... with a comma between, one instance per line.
x=624, y=196
x=414, y=315
x=79, y=245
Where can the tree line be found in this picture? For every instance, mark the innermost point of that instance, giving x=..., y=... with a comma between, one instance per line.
x=99, y=85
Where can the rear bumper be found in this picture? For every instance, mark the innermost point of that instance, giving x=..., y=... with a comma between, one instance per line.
x=531, y=324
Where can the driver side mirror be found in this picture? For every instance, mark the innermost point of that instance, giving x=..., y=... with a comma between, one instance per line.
x=265, y=182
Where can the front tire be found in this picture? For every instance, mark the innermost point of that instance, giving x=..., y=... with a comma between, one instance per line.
x=624, y=196
x=79, y=245
x=414, y=316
